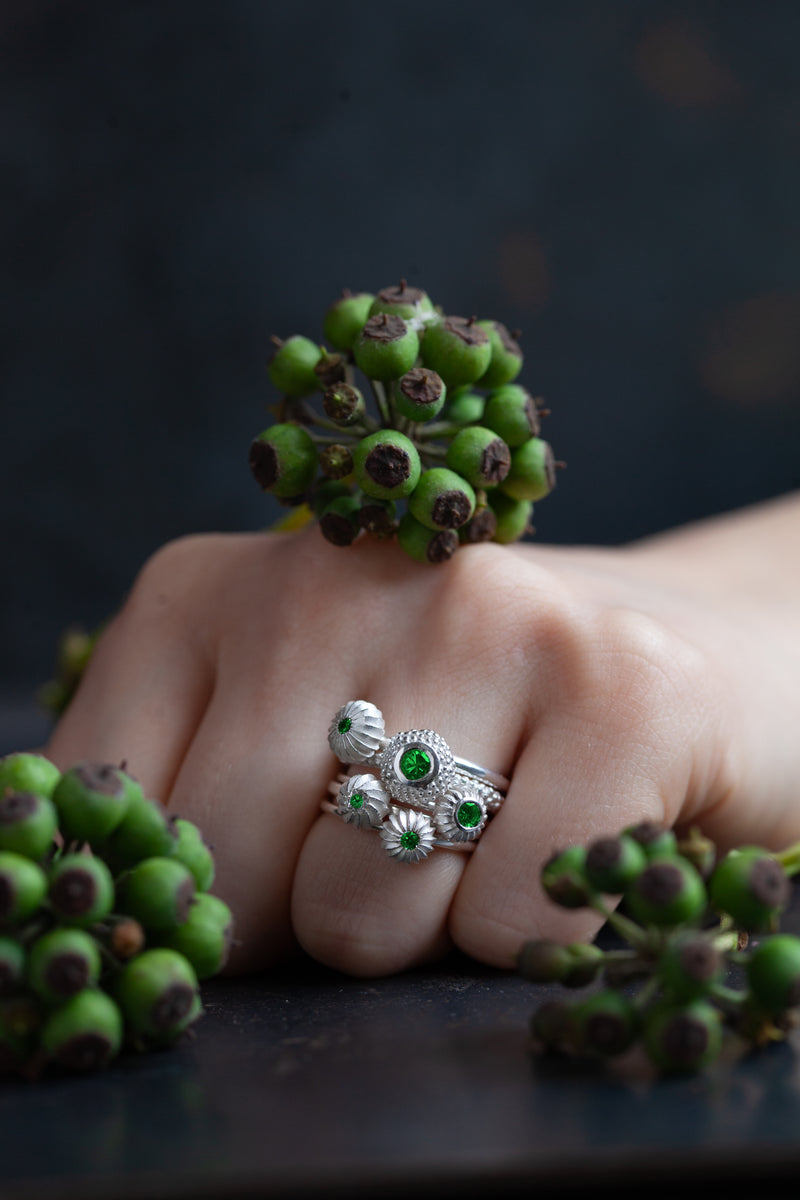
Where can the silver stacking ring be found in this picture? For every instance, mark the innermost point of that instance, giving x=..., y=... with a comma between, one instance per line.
x=418, y=796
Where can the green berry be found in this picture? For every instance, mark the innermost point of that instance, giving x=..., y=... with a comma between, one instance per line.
x=283, y=460
x=420, y=394
x=23, y=887
x=158, y=892
x=325, y=491
x=544, y=961
x=386, y=348
x=339, y=520
x=605, y=1024
x=612, y=863
x=92, y=800
x=205, y=936
x=424, y=544
x=330, y=370
x=512, y=413
x=25, y=772
x=655, y=840
x=513, y=517
x=533, y=471
x=669, y=891
x=28, y=823
x=442, y=499
x=465, y=406
x=336, y=461
x=506, y=360
x=346, y=317
x=63, y=962
x=157, y=992
x=480, y=456
x=291, y=367
x=773, y=973
x=585, y=963
x=564, y=879
x=378, y=517
x=386, y=465
x=344, y=404
x=81, y=890
x=84, y=1033
x=683, y=1037
x=12, y=965
x=410, y=303
x=195, y=854
x=457, y=349
x=146, y=831
x=750, y=885
x=689, y=965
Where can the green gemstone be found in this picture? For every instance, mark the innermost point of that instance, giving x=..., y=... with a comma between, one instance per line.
x=344, y=725
x=356, y=800
x=409, y=840
x=468, y=814
x=415, y=763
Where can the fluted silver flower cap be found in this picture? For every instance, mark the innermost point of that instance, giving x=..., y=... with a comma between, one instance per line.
x=460, y=816
x=357, y=732
x=362, y=801
x=408, y=835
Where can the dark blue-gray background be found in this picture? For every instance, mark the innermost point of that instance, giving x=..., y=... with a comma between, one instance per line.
x=180, y=180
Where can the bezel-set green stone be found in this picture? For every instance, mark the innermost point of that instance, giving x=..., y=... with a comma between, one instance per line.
x=460, y=816
x=401, y=763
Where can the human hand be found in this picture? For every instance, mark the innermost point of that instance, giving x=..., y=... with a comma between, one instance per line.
x=612, y=686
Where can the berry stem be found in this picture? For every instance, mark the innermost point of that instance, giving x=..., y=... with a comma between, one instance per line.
x=322, y=439
x=381, y=403
x=790, y=859
x=728, y=998
x=439, y=429
x=629, y=930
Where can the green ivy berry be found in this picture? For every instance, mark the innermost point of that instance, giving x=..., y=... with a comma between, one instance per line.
x=346, y=317
x=424, y=544
x=410, y=303
x=386, y=465
x=513, y=517
x=669, y=891
x=378, y=517
x=92, y=800
x=325, y=491
x=689, y=965
x=605, y=1024
x=63, y=962
x=506, y=360
x=750, y=885
x=773, y=973
x=283, y=460
x=158, y=892
x=512, y=413
x=12, y=965
x=612, y=863
x=386, y=348
x=480, y=456
x=205, y=936
x=457, y=349
x=683, y=1037
x=339, y=520
x=84, y=1033
x=195, y=853
x=157, y=992
x=442, y=499
x=543, y=961
x=564, y=879
x=81, y=890
x=23, y=887
x=655, y=840
x=146, y=831
x=585, y=963
x=465, y=406
x=291, y=368
x=23, y=772
x=420, y=394
x=344, y=404
x=482, y=526
x=28, y=823
x=533, y=471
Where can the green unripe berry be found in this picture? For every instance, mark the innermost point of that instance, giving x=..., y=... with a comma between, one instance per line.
x=750, y=885
x=773, y=973
x=605, y=1024
x=378, y=517
x=283, y=460
x=420, y=394
x=339, y=520
x=410, y=303
x=564, y=880
x=205, y=936
x=81, y=890
x=506, y=360
x=158, y=892
x=683, y=1037
x=23, y=887
x=146, y=831
x=689, y=965
x=291, y=368
x=512, y=413
x=465, y=406
x=544, y=961
x=386, y=347
x=12, y=965
x=84, y=1033
x=25, y=772
x=386, y=465
x=424, y=544
x=457, y=349
x=669, y=891
x=325, y=491
x=346, y=317
x=480, y=456
x=195, y=854
x=28, y=823
x=92, y=800
x=344, y=404
x=157, y=992
x=442, y=499
x=533, y=471
x=613, y=862
x=62, y=963
x=655, y=840
x=513, y=516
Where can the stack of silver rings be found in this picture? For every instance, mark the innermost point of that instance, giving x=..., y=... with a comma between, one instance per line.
x=418, y=795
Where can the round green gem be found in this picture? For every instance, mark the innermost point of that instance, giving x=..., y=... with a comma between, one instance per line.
x=356, y=800
x=409, y=840
x=415, y=763
x=468, y=814
x=344, y=725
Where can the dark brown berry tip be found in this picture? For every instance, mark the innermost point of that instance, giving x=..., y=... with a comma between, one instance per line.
x=338, y=529
x=263, y=463
x=442, y=546
x=495, y=461
x=420, y=385
x=100, y=777
x=16, y=806
x=466, y=329
x=451, y=509
x=384, y=327
x=769, y=884
x=481, y=528
x=388, y=465
x=604, y=854
x=401, y=293
x=174, y=1003
x=660, y=883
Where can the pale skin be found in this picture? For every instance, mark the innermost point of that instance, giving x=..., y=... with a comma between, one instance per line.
x=657, y=681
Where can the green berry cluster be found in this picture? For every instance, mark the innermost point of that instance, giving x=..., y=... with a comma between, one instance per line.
x=107, y=924
x=452, y=436
x=703, y=952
